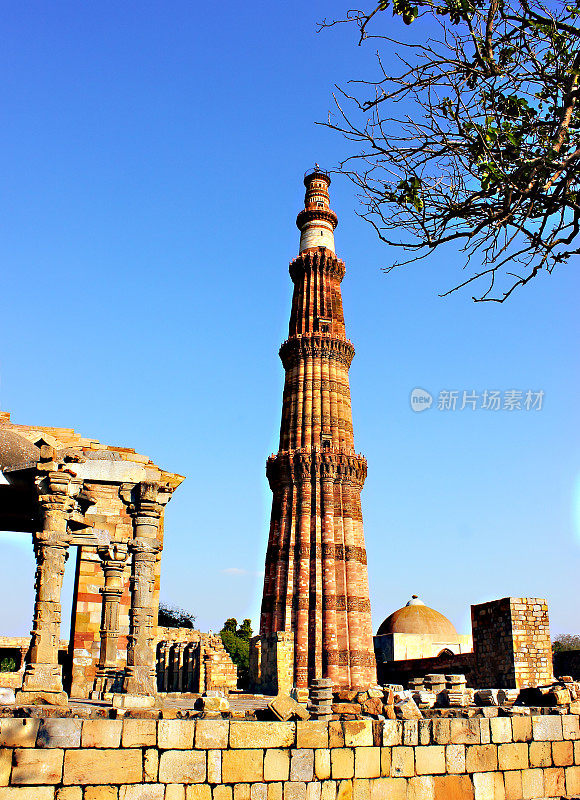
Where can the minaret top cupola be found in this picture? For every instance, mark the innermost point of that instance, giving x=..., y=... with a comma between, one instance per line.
x=316, y=221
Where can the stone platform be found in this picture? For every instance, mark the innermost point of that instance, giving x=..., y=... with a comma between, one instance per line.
x=503, y=758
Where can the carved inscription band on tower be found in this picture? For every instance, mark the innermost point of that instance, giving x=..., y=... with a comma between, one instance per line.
x=316, y=581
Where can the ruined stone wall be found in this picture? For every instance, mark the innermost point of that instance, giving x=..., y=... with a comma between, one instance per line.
x=501, y=758
x=191, y=661
x=272, y=662
x=511, y=642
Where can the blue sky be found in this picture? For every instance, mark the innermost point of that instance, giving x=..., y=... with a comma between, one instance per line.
x=152, y=157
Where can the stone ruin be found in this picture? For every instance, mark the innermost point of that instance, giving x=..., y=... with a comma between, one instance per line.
x=108, y=502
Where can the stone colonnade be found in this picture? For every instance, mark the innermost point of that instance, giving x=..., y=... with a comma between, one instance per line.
x=62, y=503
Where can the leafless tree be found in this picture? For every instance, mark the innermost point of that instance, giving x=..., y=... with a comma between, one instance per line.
x=475, y=140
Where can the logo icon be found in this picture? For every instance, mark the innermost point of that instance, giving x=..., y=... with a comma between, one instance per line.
x=421, y=400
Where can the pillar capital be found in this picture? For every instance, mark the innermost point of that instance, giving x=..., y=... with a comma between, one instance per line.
x=113, y=555
x=146, y=499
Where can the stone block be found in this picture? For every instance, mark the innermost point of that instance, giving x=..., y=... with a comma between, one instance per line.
x=441, y=731
x=182, y=766
x=212, y=734
x=391, y=788
x=276, y=765
x=101, y=733
x=361, y=789
x=198, y=792
x=239, y=766
x=455, y=758
x=512, y=756
x=392, y=733
x=313, y=734
x=402, y=762
x=572, y=781
x=245, y=735
x=5, y=766
x=547, y=728
x=139, y=733
x=344, y=791
x=101, y=793
x=385, y=762
x=501, y=729
x=488, y=786
x=481, y=758
x=424, y=726
x=411, y=732
x=430, y=760
x=554, y=782
x=27, y=793
x=335, y=734
x=485, y=731
x=294, y=790
x=37, y=766
x=18, y=732
x=453, y=787
x=258, y=791
x=214, y=766
x=563, y=754
x=242, y=791
x=346, y=708
x=151, y=765
x=301, y=765
x=540, y=754
x=532, y=783
x=367, y=762
x=522, y=729
x=570, y=726
x=175, y=734
x=69, y=793
x=513, y=785
x=145, y=792
x=342, y=762
x=322, y=764
x=421, y=788
x=219, y=793
x=285, y=708
x=275, y=791
x=464, y=731
x=313, y=791
x=89, y=766
x=174, y=791
x=358, y=732
x=577, y=752
x=59, y=733
x=328, y=790
x=407, y=708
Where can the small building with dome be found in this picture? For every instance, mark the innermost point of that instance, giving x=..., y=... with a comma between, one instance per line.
x=417, y=631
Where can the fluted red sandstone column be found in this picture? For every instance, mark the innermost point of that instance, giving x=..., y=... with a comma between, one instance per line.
x=316, y=582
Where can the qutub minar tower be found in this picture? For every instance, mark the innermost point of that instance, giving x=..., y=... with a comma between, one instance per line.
x=316, y=617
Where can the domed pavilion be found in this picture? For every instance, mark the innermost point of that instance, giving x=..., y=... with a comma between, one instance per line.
x=417, y=631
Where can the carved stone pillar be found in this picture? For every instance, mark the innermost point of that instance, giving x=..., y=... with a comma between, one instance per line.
x=140, y=669
x=113, y=558
x=43, y=674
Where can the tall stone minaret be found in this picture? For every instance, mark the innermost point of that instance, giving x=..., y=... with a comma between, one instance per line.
x=316, y=581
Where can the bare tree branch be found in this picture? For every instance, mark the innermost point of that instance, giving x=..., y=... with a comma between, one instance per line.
x=475, y=142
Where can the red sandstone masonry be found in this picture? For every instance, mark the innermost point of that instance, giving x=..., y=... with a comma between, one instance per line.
x=351, y=760
x=316, y=581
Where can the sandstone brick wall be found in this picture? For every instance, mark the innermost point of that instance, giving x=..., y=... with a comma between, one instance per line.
x=272, y=662
x=191, y=661
x=501, y=758
x=511, y=642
